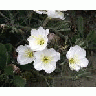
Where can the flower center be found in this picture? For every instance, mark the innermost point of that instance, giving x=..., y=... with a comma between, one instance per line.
x=28, y=53
x=72, y=61
x=40, y=41
x=46, y=59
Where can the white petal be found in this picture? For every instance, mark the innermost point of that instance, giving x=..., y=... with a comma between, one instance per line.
x=40, y=28
x=29, y=60
x=40, y=12
x=80, y=51
x=49, y=68
x=74, y=67
x=43, y=32
x=84, y=62
x=55, y=55
x=21, y=59
x=47, y=32
x=21, y=48
x=38, y=54
x=38, y=66
x=53, y=63
x=33, y=45
x=55, y=14
x=39, y=48
x=33, y=32
x=70, y=53
x=40, y=31
x=76, y=50
x=24, y=60
x=77, y=68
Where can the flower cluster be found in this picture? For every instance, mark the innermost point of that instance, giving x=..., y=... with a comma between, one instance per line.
x=44, y=59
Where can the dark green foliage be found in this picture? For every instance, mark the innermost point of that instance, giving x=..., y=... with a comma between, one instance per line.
x=19, y=81
x=5, y=53
x=26, y=67
x=9, y=50
x=91, y=39
x=59, y=25
x=3, y=56
x=9, y=47
x=8, y=70
x=80, y=26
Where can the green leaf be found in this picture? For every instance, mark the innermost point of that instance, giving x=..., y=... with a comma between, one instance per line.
x=91, y=39
x=9, y=50
x=91, y=36
x=80, y=25
x=19, y=81
x=73, y=39
x=8, y=70
x=3, y=56
x=59, y=25
x=8, y=47
x=81, y=42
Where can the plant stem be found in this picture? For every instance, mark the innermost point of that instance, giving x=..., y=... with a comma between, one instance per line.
x=45, y=21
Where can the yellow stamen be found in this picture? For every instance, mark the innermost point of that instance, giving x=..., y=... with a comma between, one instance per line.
x=28, y=53
x=46, y=59
x=39, y=40
x=71, y=61
x=74, y=60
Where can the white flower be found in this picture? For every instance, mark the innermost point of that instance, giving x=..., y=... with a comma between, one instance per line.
x=55, y=14
x=77, y=58
x=52, y=13
x=38, y=39
x=46, y=60
x=40, y=11
x=25, y=54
